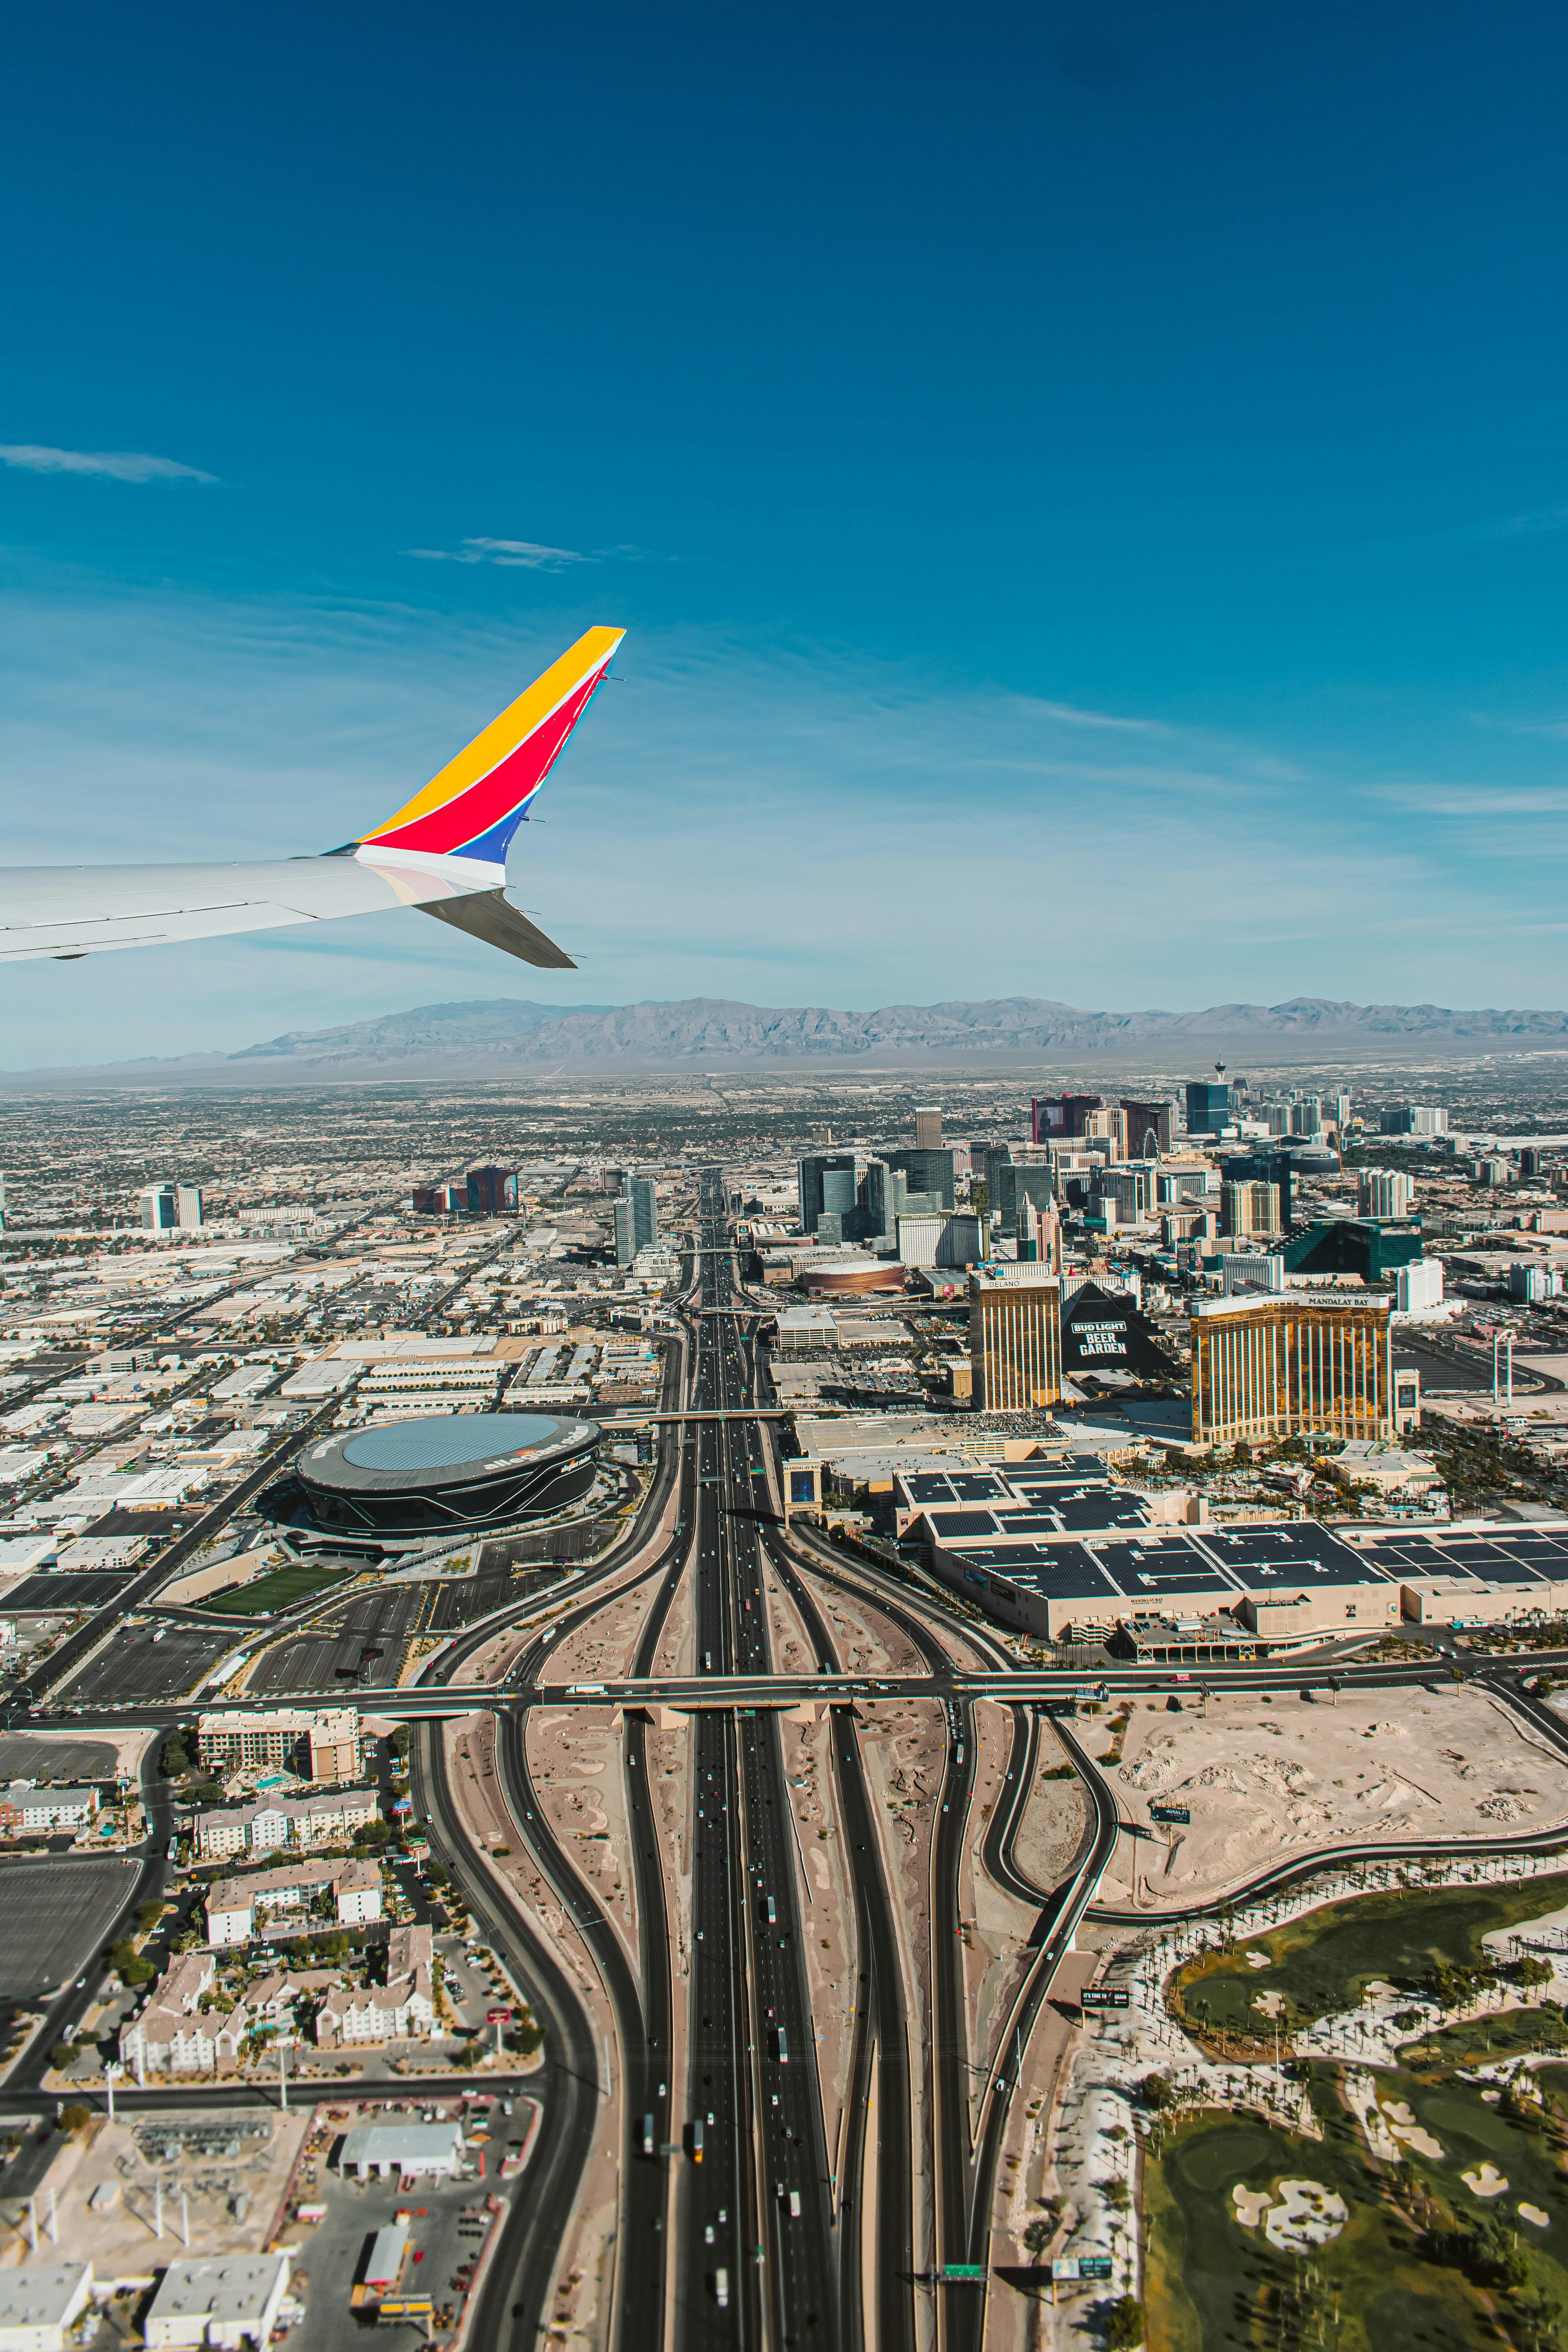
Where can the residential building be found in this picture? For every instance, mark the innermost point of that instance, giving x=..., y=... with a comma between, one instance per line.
x=1294, y=1366
x=401, y=2009
x=1208, y=1105
x=160, y=1208
x=237, y=1908
x=1149, y=1128
x=1413, y=1118
x=928, y=1129
x=26, y=1810
x=1385, y=1192
x=228, y=2300
x=1250, y=1208
x=318, y=1744
x=1307, y=1116
x=1015, y=1342
x=1491, y=1170
x=277, y=1821
x=172, y=2033
x=188, y=1207
x=1268, y=1165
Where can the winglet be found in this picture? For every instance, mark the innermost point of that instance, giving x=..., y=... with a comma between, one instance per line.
x=479, y=800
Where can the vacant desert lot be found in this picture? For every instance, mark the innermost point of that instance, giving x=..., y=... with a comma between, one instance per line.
x=1262, y=1781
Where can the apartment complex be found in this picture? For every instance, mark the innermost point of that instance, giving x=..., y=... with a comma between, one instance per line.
x=318, y=1744
x=1014, y=1341
x=1290, y=1366
x=277, y=1822
x=236, y=1906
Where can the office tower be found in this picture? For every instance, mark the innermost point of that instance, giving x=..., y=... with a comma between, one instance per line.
x=826, y=1181
x=1339, y=1111
x=1531, y=1163
x=644, y=1199
x=1385, y=1192
x=1271, y=1367
x=188, y=1207
x=926, y=1170
x=160, y=1208
x=1014, y=1343
x=1010, y=1184
x=626, y=1232
x=1148, y=1128
x=928, y=1127
x=1054, y=1118
x=491, y=1190
x=1208, y=1105
x=1250, y=1208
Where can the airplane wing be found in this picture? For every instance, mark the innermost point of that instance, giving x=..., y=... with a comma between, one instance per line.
x=444, y=852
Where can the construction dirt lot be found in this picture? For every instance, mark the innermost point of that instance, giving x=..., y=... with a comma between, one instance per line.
x=1263, y=1779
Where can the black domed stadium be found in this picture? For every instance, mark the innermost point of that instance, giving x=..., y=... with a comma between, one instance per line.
x=468, y=1470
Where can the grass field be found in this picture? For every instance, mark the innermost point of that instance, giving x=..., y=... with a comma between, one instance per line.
x=279, y=1589
x=1324, y=1961
x=1215, y=2285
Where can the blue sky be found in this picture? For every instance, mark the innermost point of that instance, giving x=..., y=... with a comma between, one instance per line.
x=1087, y=489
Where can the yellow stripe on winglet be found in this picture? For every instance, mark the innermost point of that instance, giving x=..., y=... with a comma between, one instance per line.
x=503, y=735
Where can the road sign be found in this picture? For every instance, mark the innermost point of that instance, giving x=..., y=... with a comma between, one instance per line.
x=1104, y=1997
x=963, y=2270
x=1094, y=2266
x=498, y=2017
x=1177, y=1813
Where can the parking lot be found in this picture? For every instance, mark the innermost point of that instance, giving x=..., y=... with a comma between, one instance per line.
x=53, y=1917
x=136, y=1667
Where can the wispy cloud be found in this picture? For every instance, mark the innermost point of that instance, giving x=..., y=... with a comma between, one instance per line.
x=508, y=555
x=1070, y=716
x=106, y=465
x=1526, y=526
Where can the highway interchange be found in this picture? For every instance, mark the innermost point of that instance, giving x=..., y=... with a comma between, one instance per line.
x=754, y=2209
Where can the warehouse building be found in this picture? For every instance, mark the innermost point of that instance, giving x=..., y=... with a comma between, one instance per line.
x=401, y=2151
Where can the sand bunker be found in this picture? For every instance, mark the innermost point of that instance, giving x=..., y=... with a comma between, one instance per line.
x=1251, y=2204
x=1264, y=1781
x=1307, y=2215
x=1533, y=2214
x=1402, y=2123
x=1484, y=2180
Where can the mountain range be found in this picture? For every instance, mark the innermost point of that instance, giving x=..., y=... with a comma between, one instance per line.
x=496, y=1036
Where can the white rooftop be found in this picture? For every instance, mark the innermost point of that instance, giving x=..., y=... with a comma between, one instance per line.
x=229, y=2288
x=390, y=2143
x=42, y=2294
